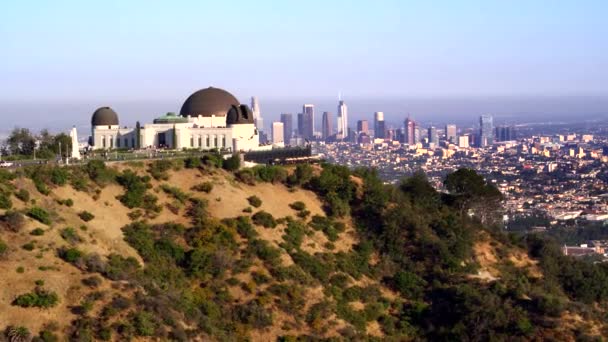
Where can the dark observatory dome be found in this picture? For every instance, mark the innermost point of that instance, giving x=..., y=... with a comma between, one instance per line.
x=208, y=102
x=104, y=116
x=238, y=115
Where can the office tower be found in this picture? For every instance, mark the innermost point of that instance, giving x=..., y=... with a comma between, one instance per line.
x=362, y=126
x=300, y=124
x=308, y=121
x=342, y=129
x=463, y=141
x=450, y=133
x=486, y=131
x=326, y=126
x=410, y=137
x=432, y=135
x=505, y=133
x=257, y=115
x=287, y=120
x=379, y=127
x=277, y=132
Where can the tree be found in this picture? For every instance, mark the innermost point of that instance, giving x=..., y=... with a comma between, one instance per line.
x=471, y=192
x=21, y=141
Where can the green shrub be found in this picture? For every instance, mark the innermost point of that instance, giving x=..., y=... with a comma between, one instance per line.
x=39, y=298
x=159, y=169
x=17, y=334
x=3, y=248
x=254, y=201
x=298, y=206
x=270, y=173
x=233, y=163
x=5, y=201
x=41, y=187
x=145, y=323
x=175, y=192
x=70, y=235
x=71, y=255
x=29, y=246
x=86, y=216
x=48, y=336
x=204, y=187
x=20, y=269
x=192, y=162
x=39, y=215
x=59, y=176
x=253, y=314
x=99, y=173
x=23, y=195
x=246, y=176
x=37, y=232
x=262, y=218
x=248, y=210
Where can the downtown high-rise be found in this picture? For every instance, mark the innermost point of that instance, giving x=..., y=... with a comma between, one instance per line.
x=326, y=125
x=411, y=134
x=486, y=131
x=257, y=114
x=342, y=129
x=433, y=137
x=277, y=133
x=287, y=120
x=450, y=133
x=379, y=126
x=308, y=121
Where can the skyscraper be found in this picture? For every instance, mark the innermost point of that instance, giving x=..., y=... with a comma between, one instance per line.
x=450, y=133
x=326, y=129
x=379, y=127
x=257, y=115
x=410, y=135
x=486, y=130
x=301, y=124
x=505, y=133
x=277, y=132
x=432, y=135
x=342, y=130
x=287, y=120
x=363, y=126
x=308, y=121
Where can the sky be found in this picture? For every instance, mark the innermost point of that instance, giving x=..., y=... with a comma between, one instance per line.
x=73, y=53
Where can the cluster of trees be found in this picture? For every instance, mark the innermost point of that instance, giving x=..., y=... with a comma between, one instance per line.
x=22, y=143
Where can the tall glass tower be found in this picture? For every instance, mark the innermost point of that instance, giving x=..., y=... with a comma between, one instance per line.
x=486, y=130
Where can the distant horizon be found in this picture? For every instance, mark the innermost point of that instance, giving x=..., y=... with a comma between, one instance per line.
x=461, y=110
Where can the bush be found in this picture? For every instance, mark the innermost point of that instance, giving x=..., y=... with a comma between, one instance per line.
x=98, y=173
x=5, y=200
x=192, y=162
x=23, y=195
x=233, y=163
x=159, y=169
x=17, y=334
x=86, y=216
x=262, y=218
x=246, y=176
x=203, y=187
x=40, y=298
x=12, y=221
x=70, y=235
x=29, y=246
x=39, y=215
x=3, y=248
x=253, y=314
x=298, y=206
x=37, y=232
x=175, y=192
x=71, y=255
x=59, y=176
x=270, y=173
x=254, y=201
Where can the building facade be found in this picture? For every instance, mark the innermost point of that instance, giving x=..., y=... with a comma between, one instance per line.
x=210, y=118
x=379, y=126
x=287, y=120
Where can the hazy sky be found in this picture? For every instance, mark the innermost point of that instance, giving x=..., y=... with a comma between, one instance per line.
x=137, y=50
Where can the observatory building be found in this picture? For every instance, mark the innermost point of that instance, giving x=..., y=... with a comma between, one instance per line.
x=210, y=118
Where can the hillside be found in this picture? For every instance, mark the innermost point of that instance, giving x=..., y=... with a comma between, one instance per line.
x=189, y=250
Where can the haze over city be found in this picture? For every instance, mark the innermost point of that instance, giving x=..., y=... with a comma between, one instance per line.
x=438, y=62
